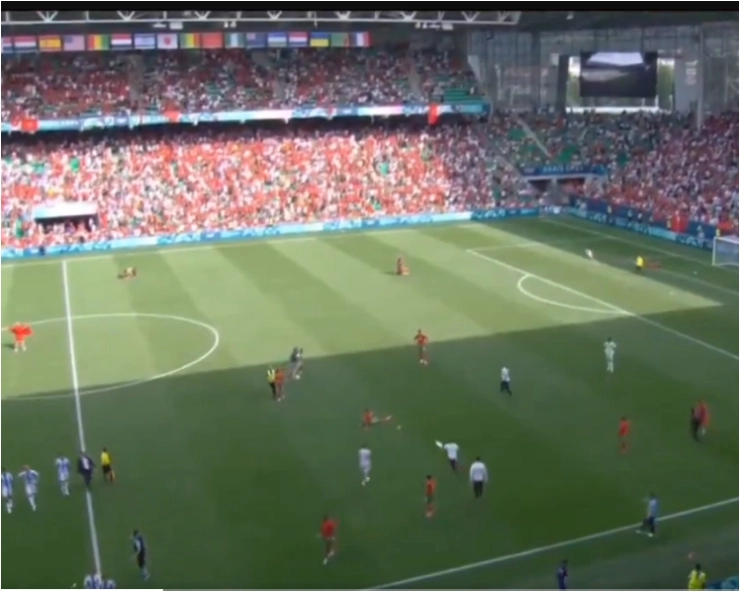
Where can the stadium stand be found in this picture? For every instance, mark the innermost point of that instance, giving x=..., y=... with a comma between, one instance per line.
x=171, y=180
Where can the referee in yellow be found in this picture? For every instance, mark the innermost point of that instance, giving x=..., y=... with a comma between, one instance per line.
x=639, y=263
x=697, y=578
x=272, y=381
x=106, y=464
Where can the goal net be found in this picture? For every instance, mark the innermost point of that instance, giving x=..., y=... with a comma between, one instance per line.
x=724, y=251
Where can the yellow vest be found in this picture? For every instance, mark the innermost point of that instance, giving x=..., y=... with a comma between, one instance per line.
x=697, y=580
x=270, y=375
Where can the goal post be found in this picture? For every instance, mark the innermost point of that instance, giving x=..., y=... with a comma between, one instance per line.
x=725, y=251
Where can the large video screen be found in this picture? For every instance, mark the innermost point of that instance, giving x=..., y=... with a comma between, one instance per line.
x=619, y=74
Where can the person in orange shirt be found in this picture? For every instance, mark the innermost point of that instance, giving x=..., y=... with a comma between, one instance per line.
x=369, y=419
x=401, y=268
x=279, y=383
x=430, y=490
x=624, y=432
x=328, y=533
x=20, y=332
x=421, y=341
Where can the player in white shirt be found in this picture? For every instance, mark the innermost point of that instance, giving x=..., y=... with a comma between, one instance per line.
x=610, y=349
x=505, y=380
x=7, y=486
x=31, y=480
x=93, y=582
x=62, y=465
x=453, y=452
x=366, y=464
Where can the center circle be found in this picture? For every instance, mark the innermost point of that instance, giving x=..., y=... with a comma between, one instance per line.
x=83, y=392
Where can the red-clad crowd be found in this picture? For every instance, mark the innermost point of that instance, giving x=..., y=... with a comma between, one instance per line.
x=172, y=179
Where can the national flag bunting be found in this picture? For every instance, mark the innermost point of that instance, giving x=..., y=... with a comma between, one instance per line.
x=232, y=40
x=256, y=40
x=189, y=40
x=167, y=41
x=98, y=42
x=7, y=45
x=279, y=39
x=298, y=39
x=121, y=40
x=360, y=39
x=24, y=43
x=340, y=40
x=145, y=41
x=320, y=39
x=50, y=43
x=73, y=42
x=212, y=40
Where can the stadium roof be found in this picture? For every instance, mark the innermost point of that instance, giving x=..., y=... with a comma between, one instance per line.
x=612, y=19
x=532, y=20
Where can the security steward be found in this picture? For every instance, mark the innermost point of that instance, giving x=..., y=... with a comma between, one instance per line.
x=272, y=381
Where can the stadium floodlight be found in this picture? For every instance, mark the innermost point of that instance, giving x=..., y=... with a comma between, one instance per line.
x=724, y=251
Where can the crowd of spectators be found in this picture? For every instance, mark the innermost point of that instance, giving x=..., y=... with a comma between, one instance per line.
x=174, y=180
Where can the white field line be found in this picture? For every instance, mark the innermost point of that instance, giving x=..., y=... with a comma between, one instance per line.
x=78, y=412
x=665, y=252
x=638, y=244
x=174, y=250
x=608, y=305
x=546, y=548
x=539, y=244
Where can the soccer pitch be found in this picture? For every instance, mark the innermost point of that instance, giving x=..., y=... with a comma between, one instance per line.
x=168, y=372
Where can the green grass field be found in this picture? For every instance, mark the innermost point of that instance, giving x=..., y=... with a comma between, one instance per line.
x=229, y=487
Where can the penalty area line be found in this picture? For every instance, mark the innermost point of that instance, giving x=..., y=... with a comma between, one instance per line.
x=544, y=549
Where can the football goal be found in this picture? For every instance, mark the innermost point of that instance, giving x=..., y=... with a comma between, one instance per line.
x=724, y=251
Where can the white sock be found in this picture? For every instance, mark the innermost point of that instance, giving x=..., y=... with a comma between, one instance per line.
x=65, y=489
x=610, y=366
x=9, y=506
x=32, y=501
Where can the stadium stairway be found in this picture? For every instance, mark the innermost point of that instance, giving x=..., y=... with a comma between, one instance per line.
x=529, y=132
x=135, y=77
x=415, y=79
x=264, y=60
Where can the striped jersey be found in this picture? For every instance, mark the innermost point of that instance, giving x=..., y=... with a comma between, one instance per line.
x=29, y=477
x=62, y=464
x=7, y=482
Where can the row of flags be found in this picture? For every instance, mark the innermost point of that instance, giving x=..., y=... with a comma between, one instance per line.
x=210, y=40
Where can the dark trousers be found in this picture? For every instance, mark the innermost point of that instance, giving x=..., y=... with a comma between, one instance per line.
x=273, y=390
x=478, y=489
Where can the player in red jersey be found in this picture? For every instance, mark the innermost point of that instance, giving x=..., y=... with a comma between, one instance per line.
x=279, y=384
x=421, y=341
x=401, y=268
x=430, y=489
x=21, y=332
x=329, y=534
x=624, y=432
x=369, y=419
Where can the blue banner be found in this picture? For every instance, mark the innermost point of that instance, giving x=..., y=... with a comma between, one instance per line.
x=564, y=171
x=641, y=228
x=695, y=229
x=132, y=121
x=208, y=236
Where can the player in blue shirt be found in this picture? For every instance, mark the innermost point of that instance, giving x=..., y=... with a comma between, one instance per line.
x=140, y=553
x=7, y=485
x=562, y=575
x=650, y=522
